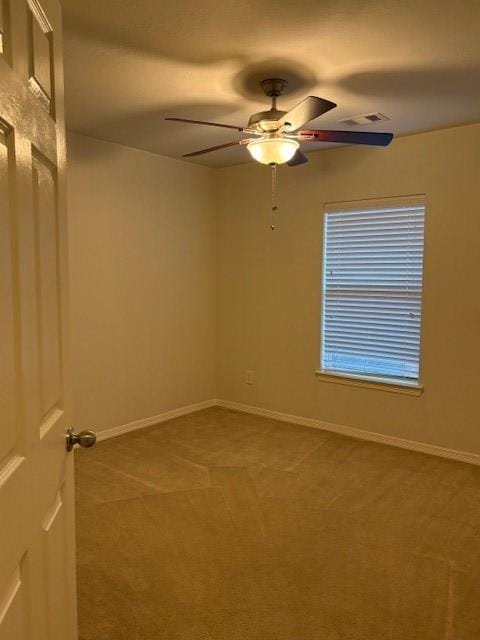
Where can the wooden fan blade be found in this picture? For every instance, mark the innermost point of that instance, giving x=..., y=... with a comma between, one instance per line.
x=298, y=158
x=218, y=146
x=349, y=137
x=210, y=124
x=304, y=111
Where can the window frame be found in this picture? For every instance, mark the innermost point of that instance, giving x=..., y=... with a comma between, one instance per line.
x=373, y=381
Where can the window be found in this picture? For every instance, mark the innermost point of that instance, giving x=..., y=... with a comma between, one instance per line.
x=372, y=289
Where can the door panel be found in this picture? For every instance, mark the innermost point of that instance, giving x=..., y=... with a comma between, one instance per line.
x=14, y=507
x=40, y=54
x=55, y=550
x=37, y=564
x=8, y=369
x=48, y=295
x=12, y=608
x=4, y=29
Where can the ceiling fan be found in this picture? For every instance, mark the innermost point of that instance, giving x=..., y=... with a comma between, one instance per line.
x=276, y=135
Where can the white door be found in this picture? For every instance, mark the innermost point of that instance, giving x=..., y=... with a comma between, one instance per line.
x=37, y=574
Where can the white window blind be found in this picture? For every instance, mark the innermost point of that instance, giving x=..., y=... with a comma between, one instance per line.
x=372, y=290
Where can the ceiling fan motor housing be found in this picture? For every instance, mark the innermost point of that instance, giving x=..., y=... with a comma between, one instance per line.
x=266, y=120
x=273, y=87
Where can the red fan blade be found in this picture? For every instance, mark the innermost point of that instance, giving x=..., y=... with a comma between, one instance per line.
x=351, y=137
x=218, y=146
x=298, y=158
x=304, y=111
x=210, y=124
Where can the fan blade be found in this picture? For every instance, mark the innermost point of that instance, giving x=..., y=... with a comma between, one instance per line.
x=210, y=124
x=218, y=146
x=352, y=137
x=298, y=158
x=304, y=111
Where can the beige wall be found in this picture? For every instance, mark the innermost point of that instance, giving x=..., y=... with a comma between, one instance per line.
x=156, y=286
x=141, y=230
x=269, y=286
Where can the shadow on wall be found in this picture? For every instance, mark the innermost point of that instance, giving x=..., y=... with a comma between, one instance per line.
x=86, y=154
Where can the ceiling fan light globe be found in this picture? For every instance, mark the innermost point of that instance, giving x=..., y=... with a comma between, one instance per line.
x=273, y=150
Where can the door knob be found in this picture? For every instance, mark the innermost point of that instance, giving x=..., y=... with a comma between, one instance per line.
x=84, y=438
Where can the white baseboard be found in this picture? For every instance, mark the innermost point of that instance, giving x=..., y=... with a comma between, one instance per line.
x=148, y=422
x=360, y=434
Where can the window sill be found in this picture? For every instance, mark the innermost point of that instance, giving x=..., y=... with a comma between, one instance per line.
x=381, y=384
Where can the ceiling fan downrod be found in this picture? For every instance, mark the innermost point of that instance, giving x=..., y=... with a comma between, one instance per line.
x=274, y=88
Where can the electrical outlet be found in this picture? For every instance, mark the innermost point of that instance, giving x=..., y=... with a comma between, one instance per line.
x=249, y=376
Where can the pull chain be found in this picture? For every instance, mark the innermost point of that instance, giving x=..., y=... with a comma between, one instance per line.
x=274, y=196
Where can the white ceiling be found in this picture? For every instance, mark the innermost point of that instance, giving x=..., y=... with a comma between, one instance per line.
x=131, y=63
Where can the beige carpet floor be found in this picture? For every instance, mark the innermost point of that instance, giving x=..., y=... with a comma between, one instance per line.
x=226, y=526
